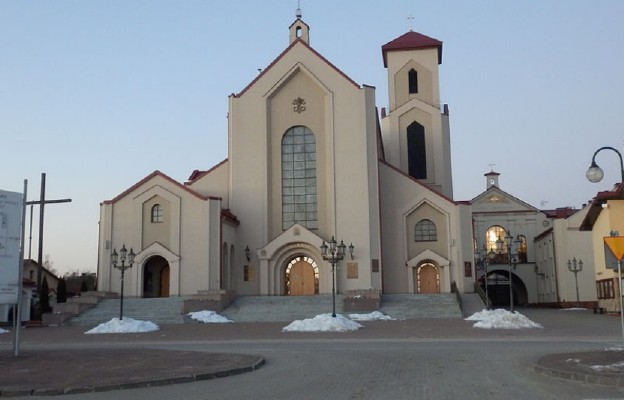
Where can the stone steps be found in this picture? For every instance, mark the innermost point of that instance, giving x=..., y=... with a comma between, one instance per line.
x=162, y=310
x=280, y=308
x=270, y=308
x=410, y=306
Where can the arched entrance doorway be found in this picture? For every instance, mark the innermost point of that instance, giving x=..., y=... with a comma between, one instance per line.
x=156, y=277
x=301, y=277
x=498, y=289
x=427, y=278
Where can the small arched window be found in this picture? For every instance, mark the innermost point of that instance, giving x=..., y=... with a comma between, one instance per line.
x=522, y=249
x=157, y=213
x=412, y=79
x=425, y=231
x=495, y=239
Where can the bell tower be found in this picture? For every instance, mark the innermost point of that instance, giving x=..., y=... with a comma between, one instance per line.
x=415, y=126
x=299, y=29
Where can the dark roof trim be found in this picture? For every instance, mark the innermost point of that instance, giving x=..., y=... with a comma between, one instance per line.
x=197, y=174
x=411, y=41
x=420, y=183
x=160, y=174
x=293, y=44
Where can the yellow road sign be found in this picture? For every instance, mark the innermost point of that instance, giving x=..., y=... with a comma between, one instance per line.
x=616, y=245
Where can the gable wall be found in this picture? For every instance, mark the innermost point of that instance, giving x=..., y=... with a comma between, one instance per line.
x=214, y=183
x=399, y=197
x=341, y=116
x=122, y=222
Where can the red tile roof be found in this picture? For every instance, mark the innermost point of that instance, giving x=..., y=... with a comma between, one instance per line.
x=227, y=214
x=561, y=212
x=198, y=174
x=595, y=208
x=432, y=190
x=411, y=41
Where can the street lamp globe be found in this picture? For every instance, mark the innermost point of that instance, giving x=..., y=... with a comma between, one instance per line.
x=594, y=173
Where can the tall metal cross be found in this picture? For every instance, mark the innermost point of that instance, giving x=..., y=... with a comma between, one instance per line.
x=410, y=22
x=42, y=202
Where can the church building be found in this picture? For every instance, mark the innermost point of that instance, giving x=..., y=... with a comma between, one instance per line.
x=310, y=159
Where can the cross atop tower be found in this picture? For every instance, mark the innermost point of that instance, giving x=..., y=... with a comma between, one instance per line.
x=410, y=22
x=298, y=11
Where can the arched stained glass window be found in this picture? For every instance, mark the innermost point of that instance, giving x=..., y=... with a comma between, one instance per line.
x=299, y=201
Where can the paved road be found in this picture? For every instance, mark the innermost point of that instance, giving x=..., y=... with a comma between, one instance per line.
x=403, y=360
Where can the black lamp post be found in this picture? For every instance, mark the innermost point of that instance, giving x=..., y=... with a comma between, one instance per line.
x=576, y=267
x=512, y=261
x=122, y=256
x=336, y=253
x=595, y=174
x=484, y=259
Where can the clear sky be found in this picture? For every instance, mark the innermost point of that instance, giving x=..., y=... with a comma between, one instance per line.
x=98, y=94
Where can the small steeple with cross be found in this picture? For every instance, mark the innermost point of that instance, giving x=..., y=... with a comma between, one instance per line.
x=298, y=11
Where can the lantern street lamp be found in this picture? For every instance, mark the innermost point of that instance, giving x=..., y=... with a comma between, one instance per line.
x=511, y=255
x=122, y=256
x=335, y=254
x=483, y=258
x=576, y=267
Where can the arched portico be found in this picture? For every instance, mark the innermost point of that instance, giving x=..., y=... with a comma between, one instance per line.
x=498, y=288
x=161, y=266
x=430, y=269
x=299, y=244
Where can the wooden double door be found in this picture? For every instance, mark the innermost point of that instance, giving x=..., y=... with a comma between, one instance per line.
x=302, y=279
x=427, y=279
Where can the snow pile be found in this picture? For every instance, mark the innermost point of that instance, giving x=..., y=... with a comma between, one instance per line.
x=323, y=323
x=3, y=331
x=374, y=316
x=209, y=317
x=616, y=367
x=501, y=319
x=126, y=325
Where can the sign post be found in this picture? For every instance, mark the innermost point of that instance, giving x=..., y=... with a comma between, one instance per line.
x=11, y=256
x=616, y=245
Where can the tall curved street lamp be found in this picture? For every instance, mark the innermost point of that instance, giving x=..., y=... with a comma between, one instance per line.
x=122, y=256
x=595, y=174
x=335, y=254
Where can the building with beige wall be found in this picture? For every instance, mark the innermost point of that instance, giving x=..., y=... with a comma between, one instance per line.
x=556, y=250
x=605, y=217
x=542, y=243
x=310, y=157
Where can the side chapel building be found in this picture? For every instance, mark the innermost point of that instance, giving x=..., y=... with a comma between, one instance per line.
x=309, y=158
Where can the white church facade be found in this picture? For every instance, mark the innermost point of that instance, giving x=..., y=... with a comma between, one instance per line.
x=310, y=157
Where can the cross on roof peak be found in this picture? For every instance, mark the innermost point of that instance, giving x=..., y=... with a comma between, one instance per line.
x=410, y=22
